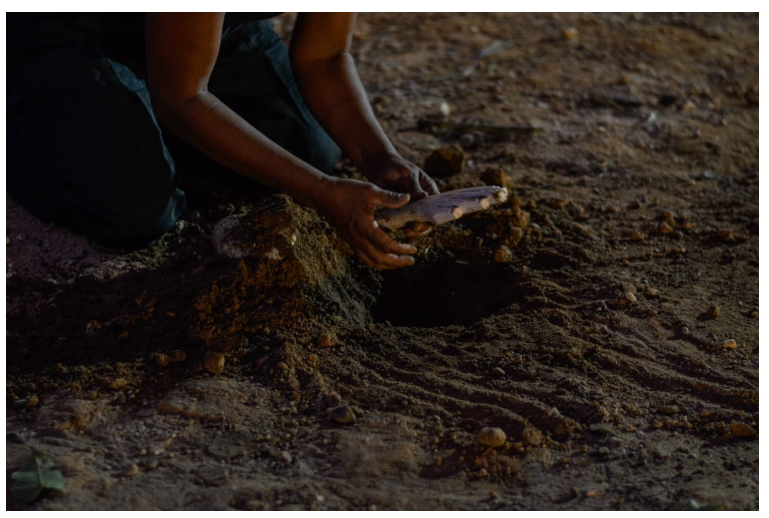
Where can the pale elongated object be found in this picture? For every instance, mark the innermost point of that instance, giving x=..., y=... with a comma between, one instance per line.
x=444, y=207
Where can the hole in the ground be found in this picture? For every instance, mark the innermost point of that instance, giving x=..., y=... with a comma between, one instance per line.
x=449, y=292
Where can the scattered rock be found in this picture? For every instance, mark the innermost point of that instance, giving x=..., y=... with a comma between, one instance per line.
x=326, y=338
x=179, y=356
x=742, y=430
x=333, y=399
x=497, y=176
x=32, y=400
x=636, y=236
x=118, y=384
x=503, y=255
x=531, y=436
x=15, y=438
x=492, y=437
x=725, y=235
x=498, y=371
x=445, y=161
x=580, y=229
x=163, y=360
x=665, y=228
x=729, y=344
x=630, y=297
x=652, y=292
x=214, y=362
x=603, y=451
x=152, y=465
x=714, y=311
x=569, y=33
x=131, y=470
x=602, y=428
x=170, y=407
x=668, y=409
x=559, y=203
x=342, y=414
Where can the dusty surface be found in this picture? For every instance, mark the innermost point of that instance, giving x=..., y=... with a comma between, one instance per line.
x=576, y=318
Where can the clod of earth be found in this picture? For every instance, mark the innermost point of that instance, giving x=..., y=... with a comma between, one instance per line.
x=327, y=338
x=446, y=161
x=214, y=362
x=492, y=437
x=531, y=436
x=342, y=414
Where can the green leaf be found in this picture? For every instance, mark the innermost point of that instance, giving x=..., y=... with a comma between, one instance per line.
x=38, y=475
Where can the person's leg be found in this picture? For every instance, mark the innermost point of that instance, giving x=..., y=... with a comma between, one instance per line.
x=84, y=148
x=253, y=76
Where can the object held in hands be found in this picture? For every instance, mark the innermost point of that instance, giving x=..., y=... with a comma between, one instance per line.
x=442, y=208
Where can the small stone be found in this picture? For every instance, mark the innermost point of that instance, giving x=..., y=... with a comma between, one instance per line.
x=559, y=203
x=163, y=360
x=668, y=409
x=333, y=399
x=630, y=297
x=664, y=228
x=714, y=311
x=754, y=313
x=445, y=109
x=342, y=414
x=118, y=384
x=444, y=162
x=170, y=407
x=725, y=235
x=569, y=33
x=531, y=436
x=743, y=430
x=503, y=255
x=326, y=338
x=131, y=470
x=152, y=465
x=497, y=371
x=15, y=438
x=581, y=230
x=32, y=401
x=492, y=437
x=652, y=292
x=179, y=356
x=286, y=457
x=602, y=428
x=92, y=327
x=636, y=236
x=497, y=176
x=214, y=362
x=603, y=450
x=729, y=344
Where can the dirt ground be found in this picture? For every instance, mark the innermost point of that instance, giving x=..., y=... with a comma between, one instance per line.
x=578, y=318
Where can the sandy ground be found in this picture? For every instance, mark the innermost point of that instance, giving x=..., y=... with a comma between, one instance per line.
x=578, y=318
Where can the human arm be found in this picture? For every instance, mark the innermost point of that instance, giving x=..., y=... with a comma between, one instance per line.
x=181, y=52
x=326, y=74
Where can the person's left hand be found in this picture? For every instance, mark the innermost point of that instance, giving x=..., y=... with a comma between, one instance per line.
x=391, y=171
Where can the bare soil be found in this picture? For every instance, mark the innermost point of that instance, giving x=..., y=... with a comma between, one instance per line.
x=593, y=346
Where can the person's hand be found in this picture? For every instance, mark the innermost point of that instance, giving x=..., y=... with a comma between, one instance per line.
x=391, y=171
x=349, y=205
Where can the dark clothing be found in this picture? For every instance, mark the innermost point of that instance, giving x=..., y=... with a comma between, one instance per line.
x=84, y=147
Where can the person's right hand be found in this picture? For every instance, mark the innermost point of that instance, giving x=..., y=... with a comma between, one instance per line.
x=349, y=205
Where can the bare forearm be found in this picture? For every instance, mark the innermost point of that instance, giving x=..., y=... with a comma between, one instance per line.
x=338, y=100
x=208, y=124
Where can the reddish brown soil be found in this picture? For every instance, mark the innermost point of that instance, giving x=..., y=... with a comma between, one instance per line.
x=593, y=348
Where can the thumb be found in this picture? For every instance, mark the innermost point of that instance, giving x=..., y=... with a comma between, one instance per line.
x=389, y=199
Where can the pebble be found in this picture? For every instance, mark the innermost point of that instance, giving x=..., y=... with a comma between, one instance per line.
x=714, y=311
x=118, y=384
x=445, y=161
x=743, y=430
x=333, y=399
x=214, y=362
x=603, y=450
x=668, y=409
x=497, y=371
x=601, y=428
x=664, y=228
x=636, y=236
x=326, y=338
x=131, y=470
x=163, y=360
x=503, y=254
x=531, y=436
x=726, y=235
x=170, y=407
x=630, y=297
x=497, y=176
x=493, y=437
x=32, y=401
x=729, y=344
x=652, y=292
x=569, y=33
x=754, y=313
x=179, y=356
x=15, y=438
x=342, y=414
x=151, y=465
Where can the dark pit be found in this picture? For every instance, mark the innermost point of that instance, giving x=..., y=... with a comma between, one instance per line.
x=444, y=293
